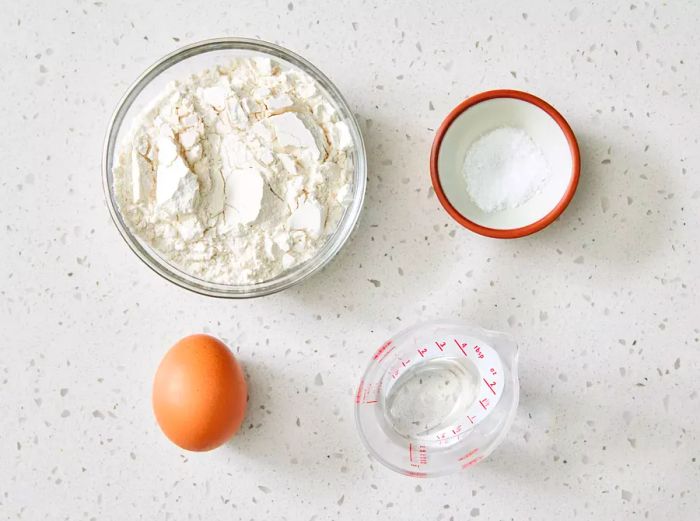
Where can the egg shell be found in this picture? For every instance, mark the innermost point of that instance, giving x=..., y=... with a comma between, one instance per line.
x=199, y=393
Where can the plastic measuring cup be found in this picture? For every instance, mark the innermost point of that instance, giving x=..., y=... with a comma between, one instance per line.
x=438, y=397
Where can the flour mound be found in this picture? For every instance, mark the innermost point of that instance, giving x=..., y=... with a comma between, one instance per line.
x=237, y=173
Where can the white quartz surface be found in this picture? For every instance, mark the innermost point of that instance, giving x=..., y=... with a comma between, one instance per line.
x=605, y=303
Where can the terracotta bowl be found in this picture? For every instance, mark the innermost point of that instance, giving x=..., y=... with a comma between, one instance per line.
x=487, y=111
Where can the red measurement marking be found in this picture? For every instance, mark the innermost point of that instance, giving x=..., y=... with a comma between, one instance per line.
x=440, y=345
x=444, y=438
x=493, y=371
x=359, y=391
x=461, y=346
x=404, y=363
x=484, y=403
x=422, y=352
x=367, y=393
x=386, y=353
x=468, y=454
x=415, y=474
x=422, y=455
x=381, y=349
x=490, y=386
x=478, y=352
x=457, y=429
x=472, y=462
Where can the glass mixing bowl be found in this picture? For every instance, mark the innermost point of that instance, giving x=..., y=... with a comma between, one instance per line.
x=194, y=58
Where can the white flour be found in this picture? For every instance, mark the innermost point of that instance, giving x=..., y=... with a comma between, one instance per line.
x=504, y=169
x=236, y=174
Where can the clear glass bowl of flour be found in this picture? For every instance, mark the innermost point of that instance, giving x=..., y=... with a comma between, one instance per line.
x=193, y=59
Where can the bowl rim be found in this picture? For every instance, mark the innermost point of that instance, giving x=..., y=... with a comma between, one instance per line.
x=286, y=279
x=508, y=233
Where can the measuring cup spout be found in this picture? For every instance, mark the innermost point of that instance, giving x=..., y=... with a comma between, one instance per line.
x=506, y=347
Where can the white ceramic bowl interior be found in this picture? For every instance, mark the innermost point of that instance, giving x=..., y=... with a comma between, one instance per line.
x=488, y=115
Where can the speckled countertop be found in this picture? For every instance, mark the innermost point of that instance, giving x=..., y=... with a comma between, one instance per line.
x=605, y=303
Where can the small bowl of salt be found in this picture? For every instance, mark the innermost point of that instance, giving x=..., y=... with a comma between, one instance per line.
x=505, y=164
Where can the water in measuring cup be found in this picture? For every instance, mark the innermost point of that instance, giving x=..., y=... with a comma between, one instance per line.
x=431, y=396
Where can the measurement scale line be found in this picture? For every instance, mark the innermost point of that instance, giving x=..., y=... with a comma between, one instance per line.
x=461, y=347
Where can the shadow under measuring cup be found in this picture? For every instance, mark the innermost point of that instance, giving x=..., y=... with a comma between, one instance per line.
x=438, y=397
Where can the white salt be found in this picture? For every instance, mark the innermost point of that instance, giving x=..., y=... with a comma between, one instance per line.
x=504, y=169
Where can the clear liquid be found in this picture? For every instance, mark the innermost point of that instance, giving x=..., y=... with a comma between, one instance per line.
x=431, y=396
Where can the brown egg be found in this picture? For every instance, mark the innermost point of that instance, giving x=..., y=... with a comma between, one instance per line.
x=199, y=393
